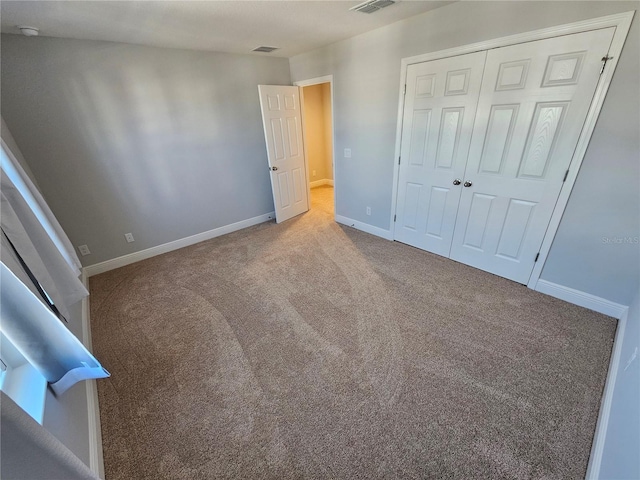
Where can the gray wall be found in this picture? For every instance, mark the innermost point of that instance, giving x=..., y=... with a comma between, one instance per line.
x=605, y=200
x=620, y=457
x=163, y=143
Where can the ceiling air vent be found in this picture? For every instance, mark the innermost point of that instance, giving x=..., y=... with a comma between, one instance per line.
x=264, y=49
x=372, y=6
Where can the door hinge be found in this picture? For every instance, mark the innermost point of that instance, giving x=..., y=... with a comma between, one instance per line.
x=399, y=160
x=405, y=89
x=566, y=174
x=605, y=59
x=537, y=256
x=394, y=218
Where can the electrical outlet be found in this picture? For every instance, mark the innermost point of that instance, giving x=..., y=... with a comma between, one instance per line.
x=313, y=173
x=84, y=250
x=347, y=153
x=368, y=210
x=129, y=237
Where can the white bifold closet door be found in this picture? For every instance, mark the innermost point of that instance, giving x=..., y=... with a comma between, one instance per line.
x=531, y=106
x=440, y=106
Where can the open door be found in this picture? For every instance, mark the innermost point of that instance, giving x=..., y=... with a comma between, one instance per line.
x=281, y=118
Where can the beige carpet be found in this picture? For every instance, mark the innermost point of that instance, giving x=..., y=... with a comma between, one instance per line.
x=313, y=350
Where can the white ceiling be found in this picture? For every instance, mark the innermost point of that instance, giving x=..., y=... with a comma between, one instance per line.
x=224, y=26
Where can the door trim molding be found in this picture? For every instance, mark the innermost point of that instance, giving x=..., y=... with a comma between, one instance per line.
x=622, y=24
x=314, y=81
x=307, y=83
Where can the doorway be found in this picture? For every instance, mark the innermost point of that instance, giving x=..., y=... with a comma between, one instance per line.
x=317, y=106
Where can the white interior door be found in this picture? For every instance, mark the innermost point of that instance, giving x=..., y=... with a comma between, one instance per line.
x=281, y=118
x=533, y=103
x=440, y=106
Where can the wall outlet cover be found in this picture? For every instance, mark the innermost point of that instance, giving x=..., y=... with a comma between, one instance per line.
x=347, y=153
x=129, y=237
x=84, y=250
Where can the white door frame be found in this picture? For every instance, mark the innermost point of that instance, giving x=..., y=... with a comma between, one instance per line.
x=622, y=23
x=307, y=83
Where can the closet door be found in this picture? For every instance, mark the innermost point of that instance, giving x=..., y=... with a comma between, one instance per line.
x=533, y=103
x=440, y=106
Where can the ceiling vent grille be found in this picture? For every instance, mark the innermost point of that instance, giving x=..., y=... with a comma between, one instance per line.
x=264, y=49
x=372, y=6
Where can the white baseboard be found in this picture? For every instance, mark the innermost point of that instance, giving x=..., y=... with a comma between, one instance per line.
x=599, y=438
x=612, y=309
x=320, y=183
x=96, y=459
x=365, y=227
x=118, y=262
x=582, y=299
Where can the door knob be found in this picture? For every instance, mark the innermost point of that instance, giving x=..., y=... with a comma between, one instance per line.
x=467, y=183
x=273, y=168
x=456, y=181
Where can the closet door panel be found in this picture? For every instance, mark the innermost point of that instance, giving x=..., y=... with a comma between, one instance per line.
x=440, y=107
x=533, y=103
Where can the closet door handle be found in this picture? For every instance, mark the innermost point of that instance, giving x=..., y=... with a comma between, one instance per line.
x=467, y=183
x=273, y=168
x=456, y=181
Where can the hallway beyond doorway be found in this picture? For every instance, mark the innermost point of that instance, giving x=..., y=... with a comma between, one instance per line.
x=322, y=199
